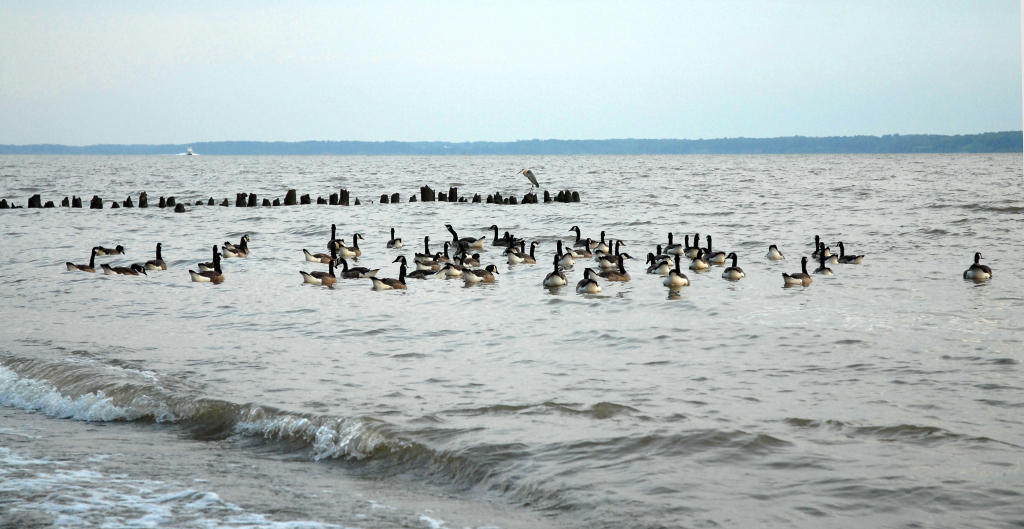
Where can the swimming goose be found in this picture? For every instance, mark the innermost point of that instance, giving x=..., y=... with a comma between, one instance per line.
x=580, y=242
x=733, y=273
x=978, y=271
x=209, y=276
x=692, y=251
x=394, y=242
x=602, y=247
x=700, y=262
x=612, y=249
x=110, y=251
x=565, y=260
x=799, y=278
x=822, y=269
x=91, y=267
x=319, y=257
x=478, y=275
x=132, y=270
x=528, y=258
x=824, y=251
x=582, y=251
x=676, y=278
x=158, y=263
x=658, y=266
x=502, y=241
x=848, y=259
x=817, y=247
x=419, y=273
x=334, y=237
x=468, y=242
x=240, y=250
x=774, y=254
x=349, y=251
x=389, y=283
x=588, y=285
x=456, y=269
x=714, y=257
x=319, y=277
x=515, y=256
x=673, y=248
x=244, y=240
x=616, y=275
x=555, y=278
x=356, y=272
x=426, y=256
x=473, y=260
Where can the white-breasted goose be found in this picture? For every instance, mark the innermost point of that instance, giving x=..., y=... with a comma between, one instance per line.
x=555, y=278
x=389, y=283
x=799, y=278
x=978, y=271
x=210, y=276
x=848, y=259
x=91, y=267
x=734, y=272
x=394, y=242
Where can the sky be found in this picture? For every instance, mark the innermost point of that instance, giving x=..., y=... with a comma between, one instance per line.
x=86, y=73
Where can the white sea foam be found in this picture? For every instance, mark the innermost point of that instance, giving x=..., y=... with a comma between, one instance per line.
x=329, y=438
x=37, y=395
x=90, y=499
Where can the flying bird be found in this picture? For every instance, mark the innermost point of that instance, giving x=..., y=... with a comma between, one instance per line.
x=530, y=176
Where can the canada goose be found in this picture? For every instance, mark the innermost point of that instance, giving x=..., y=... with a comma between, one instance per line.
x=132, y=270
x=774, y=254
x=555, y=278
x=692, y=251
x=394, y=242
x=978, y=271
x=733, y=273
x=91, y=267
x=389, y=283
x=456, y=269
x=611, y=260
x=503, y=241
x=432, y=265
x=158, y=263
x=588, y=285
x=356, y=272
x=426, y=256
x=565, y=260
x=528, y=258
x=515, y=255
x=676, y=278
x=211, y=276
x=848, y=259
x=714, y=257
x=240, y=250
x=320, y=278
x=824, y=251
x=580, y=242
x=477, y=275
x=613, y=249
x=118, y=250
x=319, y=257
x=416, y=274
x=661, y=267
x=243, y=240
x=473, y=260
x=799, y=278
x=349, y=251
x=700, y=262
x=468, y=242
x=817, y=246
x=602, y=247
x=822, y=269
x=616, y=275
x=662, y=256
x=334, y=236
x=673, y=248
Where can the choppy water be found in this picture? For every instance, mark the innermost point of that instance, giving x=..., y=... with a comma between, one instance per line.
x=889, y=395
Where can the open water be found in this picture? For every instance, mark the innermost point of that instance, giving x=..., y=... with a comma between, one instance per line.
x=889, y=395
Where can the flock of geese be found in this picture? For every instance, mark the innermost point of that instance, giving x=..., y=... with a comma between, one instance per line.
x=460, y=259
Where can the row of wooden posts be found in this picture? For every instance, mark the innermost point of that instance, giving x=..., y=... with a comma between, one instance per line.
x=341, y=198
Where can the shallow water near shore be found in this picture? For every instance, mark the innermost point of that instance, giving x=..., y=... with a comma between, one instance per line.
x=888, y=395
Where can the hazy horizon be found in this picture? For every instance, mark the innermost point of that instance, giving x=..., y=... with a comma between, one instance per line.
x=122, y=73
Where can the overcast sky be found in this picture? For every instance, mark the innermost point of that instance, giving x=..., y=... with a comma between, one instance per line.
x=180, y=72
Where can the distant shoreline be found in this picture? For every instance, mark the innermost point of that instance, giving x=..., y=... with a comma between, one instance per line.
x=988, y=142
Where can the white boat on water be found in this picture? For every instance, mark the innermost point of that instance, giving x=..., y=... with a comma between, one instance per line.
x=188, y=152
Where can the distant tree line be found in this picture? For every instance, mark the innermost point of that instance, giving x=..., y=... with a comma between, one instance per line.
x=1010, y=141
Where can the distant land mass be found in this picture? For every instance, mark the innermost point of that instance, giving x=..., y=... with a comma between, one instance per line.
x=1010, y=141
